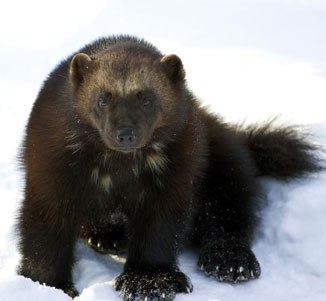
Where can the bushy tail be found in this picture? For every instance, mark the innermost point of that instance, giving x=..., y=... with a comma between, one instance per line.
x=282, y=152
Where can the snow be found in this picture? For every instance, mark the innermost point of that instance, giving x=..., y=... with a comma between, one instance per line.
x=246, y=60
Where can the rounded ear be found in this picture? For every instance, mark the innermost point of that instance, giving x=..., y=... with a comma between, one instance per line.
x=79, y=66
x=173, y=67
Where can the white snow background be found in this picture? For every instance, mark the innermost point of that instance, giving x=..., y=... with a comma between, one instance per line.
x=247, y=60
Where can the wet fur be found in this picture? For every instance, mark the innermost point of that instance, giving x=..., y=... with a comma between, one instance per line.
x=195, y=178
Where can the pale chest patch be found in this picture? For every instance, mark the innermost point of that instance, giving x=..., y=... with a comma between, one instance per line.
x=103, y=180
x=154, y=162
x=157, y=162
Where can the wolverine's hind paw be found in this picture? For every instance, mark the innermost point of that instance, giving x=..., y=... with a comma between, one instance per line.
x=229, y=262
x=106, y=243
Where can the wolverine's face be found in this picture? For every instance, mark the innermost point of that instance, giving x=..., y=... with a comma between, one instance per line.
x=125, y=122
x=126, y=98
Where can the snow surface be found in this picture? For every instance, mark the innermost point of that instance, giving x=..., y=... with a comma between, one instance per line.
x=247, y=60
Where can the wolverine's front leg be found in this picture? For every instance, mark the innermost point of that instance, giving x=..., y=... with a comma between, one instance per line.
x=151, y=271
x=48, y=233
x=226, y=221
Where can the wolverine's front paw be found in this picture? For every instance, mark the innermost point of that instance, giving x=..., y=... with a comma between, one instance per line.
x=229, y=261
x=152, y=286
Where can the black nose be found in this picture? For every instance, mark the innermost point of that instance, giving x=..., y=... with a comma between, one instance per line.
x=125, y=136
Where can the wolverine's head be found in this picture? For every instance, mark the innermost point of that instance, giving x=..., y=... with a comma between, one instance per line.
x=127, y=93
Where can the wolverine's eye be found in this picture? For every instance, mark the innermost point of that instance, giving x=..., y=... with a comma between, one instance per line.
x=145, y=99
x=147, y=102
x=104, y=100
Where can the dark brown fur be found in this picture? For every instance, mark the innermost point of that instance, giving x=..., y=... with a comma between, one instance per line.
x=119, y=151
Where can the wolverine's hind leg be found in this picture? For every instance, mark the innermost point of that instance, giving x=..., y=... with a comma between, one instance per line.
x=110, y=240
x=226, y=220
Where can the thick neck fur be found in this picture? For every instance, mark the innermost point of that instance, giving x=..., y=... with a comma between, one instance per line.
x=85, y=143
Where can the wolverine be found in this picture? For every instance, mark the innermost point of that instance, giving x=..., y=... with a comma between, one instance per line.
x=118, y=151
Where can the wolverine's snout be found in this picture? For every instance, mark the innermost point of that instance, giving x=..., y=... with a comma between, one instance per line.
x=125, y=137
